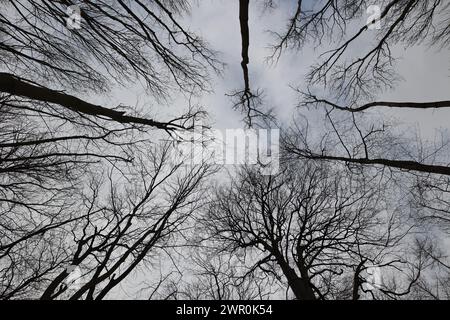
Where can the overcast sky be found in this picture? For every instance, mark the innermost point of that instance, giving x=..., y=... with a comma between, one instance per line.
x=424, y=72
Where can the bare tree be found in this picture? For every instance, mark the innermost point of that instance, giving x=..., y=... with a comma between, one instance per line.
x=215, y=276
x=47, y=126
x=52, y=138
x=402, y=21
x=357, y=211
x=353, y=80
x=248, y=101
x=110, y=235
x=319, y=229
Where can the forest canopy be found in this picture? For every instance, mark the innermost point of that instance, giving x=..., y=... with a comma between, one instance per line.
x=102, y=103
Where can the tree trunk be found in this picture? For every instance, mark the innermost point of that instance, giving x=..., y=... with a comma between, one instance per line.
x=299, y=286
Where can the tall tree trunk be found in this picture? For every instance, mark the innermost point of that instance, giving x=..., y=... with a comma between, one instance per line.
x=300, y=286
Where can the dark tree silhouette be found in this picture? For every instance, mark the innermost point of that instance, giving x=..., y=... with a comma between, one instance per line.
x=317, y=228
x=248, y=101
x=106, y=236
x=52, y=139
x=354, y=79
x=90, y=195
